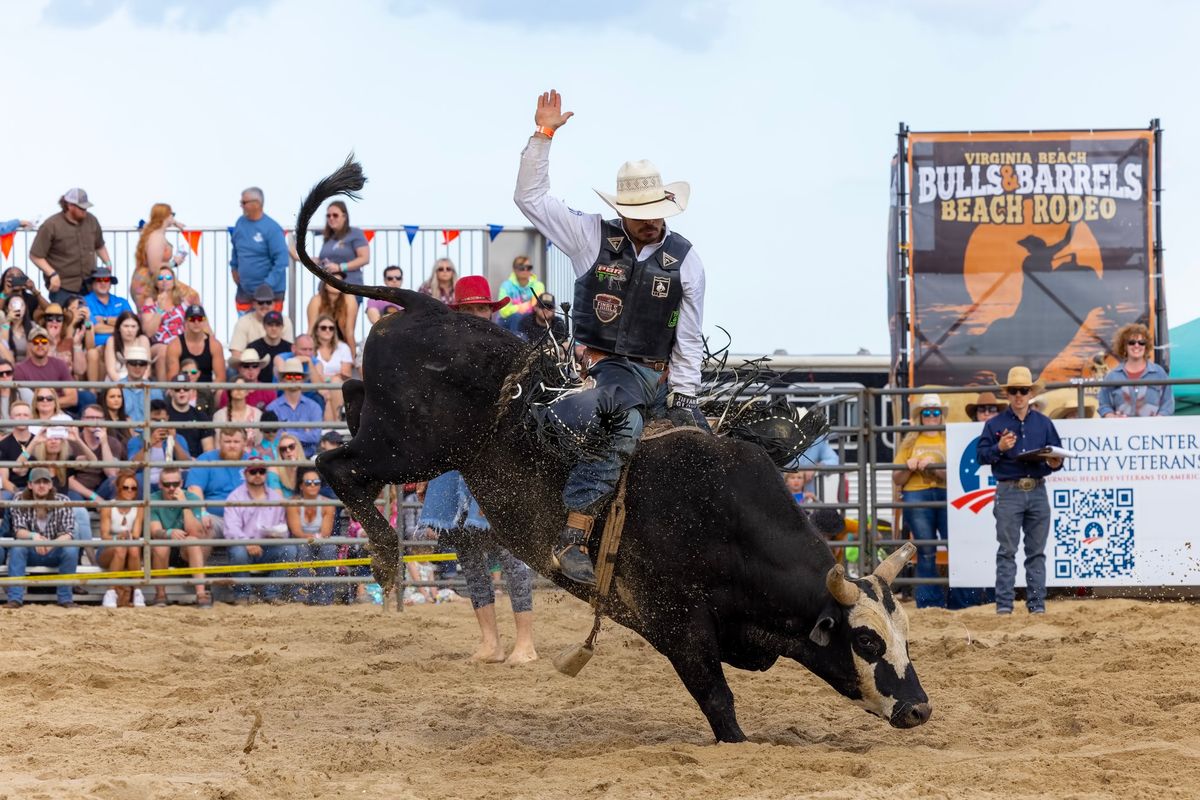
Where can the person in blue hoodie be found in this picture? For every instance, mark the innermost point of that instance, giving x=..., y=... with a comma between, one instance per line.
x=259, y=253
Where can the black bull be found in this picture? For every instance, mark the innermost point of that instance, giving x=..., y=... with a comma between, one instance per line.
x=717, y=563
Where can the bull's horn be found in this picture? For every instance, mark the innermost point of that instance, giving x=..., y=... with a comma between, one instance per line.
x=891, y=566
x=842, y=590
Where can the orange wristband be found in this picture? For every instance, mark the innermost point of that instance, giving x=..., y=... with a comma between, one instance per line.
x=545, y=131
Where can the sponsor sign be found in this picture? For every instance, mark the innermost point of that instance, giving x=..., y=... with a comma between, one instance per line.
x=1030, y=248
x=1118, y=510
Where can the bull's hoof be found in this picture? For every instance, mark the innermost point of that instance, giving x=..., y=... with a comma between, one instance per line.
x=384, y=571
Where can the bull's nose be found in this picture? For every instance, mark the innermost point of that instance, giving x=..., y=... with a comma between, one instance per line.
x=910, y=716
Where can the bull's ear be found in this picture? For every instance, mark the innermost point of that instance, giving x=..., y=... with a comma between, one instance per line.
x=820, y=631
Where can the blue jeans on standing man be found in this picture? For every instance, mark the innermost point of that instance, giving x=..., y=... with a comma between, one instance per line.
x=1016, y=510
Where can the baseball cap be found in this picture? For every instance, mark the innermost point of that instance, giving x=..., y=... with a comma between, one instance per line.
x=194, y=311
x=546, y=300
x=264, y=293
x=334, y=437
x=180, y=378
x=77, y=197
x=37, y=331
x=273, y=318
x=40, y=474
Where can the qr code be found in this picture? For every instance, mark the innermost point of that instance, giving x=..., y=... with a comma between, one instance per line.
x=1093, y=533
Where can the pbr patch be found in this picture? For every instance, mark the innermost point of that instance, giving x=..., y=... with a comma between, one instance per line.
x=668, y=259
x=610, y=273
x=674, y=320
x=607, y=307
x=660, y=286
x=615, y=243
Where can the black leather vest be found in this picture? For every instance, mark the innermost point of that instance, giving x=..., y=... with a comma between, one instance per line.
x=626, y=306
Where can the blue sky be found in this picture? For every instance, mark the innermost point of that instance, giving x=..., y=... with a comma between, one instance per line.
x=782, y=116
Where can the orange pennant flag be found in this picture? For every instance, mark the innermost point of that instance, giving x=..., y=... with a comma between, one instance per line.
x=193, y=240
x=369, y=234
x=449, y=236
x=6, y=242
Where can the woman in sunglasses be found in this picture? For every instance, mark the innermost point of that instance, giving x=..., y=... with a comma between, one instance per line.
x=46, y=409
x=921, y=479
x=163, y=319
x=1133, y=346
x=345, y=250
x=288, y=479
x=313, y=523
x=122, y=523
x=66, y=343
x=442, y=282
x=336, y=360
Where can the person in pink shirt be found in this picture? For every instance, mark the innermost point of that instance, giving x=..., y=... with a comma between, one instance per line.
x=257, y=522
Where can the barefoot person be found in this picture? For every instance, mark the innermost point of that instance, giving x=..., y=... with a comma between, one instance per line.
x=450, y=509
x=639, y=306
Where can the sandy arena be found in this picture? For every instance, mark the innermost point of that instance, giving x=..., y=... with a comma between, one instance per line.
x=1097, y=699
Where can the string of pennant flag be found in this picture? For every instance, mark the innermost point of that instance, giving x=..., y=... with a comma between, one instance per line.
x=193, y=237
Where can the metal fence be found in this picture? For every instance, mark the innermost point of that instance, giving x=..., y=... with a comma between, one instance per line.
x=859, y=488
x=413, y=248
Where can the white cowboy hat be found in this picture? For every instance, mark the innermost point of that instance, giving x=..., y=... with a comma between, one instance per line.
x=641, y=194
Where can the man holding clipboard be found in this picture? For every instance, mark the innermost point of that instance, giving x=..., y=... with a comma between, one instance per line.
x=1010, y=443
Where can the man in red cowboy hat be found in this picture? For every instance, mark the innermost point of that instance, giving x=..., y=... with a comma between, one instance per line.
x=473, y=295
x=639, y=307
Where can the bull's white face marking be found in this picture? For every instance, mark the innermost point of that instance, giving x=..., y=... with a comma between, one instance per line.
x=869, y=616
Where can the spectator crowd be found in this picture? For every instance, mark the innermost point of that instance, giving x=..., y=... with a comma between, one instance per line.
x=67, y=320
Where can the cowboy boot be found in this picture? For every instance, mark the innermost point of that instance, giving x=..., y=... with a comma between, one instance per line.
x=569, y=555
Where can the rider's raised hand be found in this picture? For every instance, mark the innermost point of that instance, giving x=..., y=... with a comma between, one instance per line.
x=549, y=112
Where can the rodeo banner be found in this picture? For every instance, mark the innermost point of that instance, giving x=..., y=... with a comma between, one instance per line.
x=1027, y=248
x=1115, y=515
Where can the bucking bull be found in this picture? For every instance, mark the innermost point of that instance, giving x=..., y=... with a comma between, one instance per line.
x=717, y=563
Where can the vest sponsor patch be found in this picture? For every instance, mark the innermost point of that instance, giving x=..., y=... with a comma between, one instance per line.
x=671, y=323
x=668, y=259
x=607, y=307
x=660, y=287
x=610, y=274
x=615, y=243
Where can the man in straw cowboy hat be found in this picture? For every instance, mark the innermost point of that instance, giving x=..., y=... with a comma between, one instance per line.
x=985, y=406
x=1021, y=502
x=638, y=309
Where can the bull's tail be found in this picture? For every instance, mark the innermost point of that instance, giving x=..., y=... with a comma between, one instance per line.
x=347, y=181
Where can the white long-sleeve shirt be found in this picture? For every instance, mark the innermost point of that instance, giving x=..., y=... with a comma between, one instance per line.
x=578, y=235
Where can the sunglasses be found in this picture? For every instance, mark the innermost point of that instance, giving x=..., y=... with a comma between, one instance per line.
x=526, y=268
x=1020, y=390
x=59, y=318
x=190, y=371
x=931, y=412
x=171, y=484
x=325, y=327
x=257, y=471
x=195, y=319
x=40, y=340
x=445, y=269
x=137, y=363
x=6, y=373
x=1130, y=343
x=294, y=378
x=46, y=398
x=101, y=280
x=264, y=302
x=166, y=277
x=311, y=482
x=287, y=448
x=393, y=277
x=131, y=487
x=988, y=409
